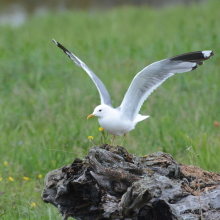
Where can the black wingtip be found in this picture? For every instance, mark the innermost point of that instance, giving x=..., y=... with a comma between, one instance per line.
x=55, y=42
x=67, y=52
x=60, y=46
x=195, y=67
x=200, y=63
x=194, y=57
x=207, y=54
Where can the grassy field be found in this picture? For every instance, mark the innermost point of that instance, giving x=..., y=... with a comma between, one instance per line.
x=45, y=98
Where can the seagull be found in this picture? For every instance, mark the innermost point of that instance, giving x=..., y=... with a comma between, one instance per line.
x=123, y=119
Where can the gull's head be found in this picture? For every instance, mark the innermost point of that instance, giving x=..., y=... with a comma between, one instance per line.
x=100, y=111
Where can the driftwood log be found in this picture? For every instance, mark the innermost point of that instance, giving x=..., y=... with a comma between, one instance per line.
x=110, y=183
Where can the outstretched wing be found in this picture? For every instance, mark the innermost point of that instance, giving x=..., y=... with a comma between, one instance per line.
x=152, y=76
x=105, y=98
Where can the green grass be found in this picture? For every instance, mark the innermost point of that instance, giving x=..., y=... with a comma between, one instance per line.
x=45, y=98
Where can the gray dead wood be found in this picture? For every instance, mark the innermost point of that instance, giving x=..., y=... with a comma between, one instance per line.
x=110, y=183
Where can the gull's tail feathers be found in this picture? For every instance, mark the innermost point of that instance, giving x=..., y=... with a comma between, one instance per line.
x=139, y=118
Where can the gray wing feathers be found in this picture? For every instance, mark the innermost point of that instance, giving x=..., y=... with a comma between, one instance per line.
x=105, y=98
x=152, y=76
x=143, y=84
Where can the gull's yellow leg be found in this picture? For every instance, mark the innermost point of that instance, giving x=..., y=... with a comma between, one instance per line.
x=123, y=139
x=112, y=141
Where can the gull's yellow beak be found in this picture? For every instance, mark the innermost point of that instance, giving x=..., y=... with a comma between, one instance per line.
x=90, y=116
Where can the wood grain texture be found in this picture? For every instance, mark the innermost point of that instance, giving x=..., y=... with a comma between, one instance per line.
x=110, y=183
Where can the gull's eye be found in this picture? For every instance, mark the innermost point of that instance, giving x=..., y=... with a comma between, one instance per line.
x=100, y=110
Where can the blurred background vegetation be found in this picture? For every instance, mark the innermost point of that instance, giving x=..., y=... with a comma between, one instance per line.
x=45, y=98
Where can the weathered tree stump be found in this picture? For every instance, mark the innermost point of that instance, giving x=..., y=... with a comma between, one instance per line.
x=113, y=184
